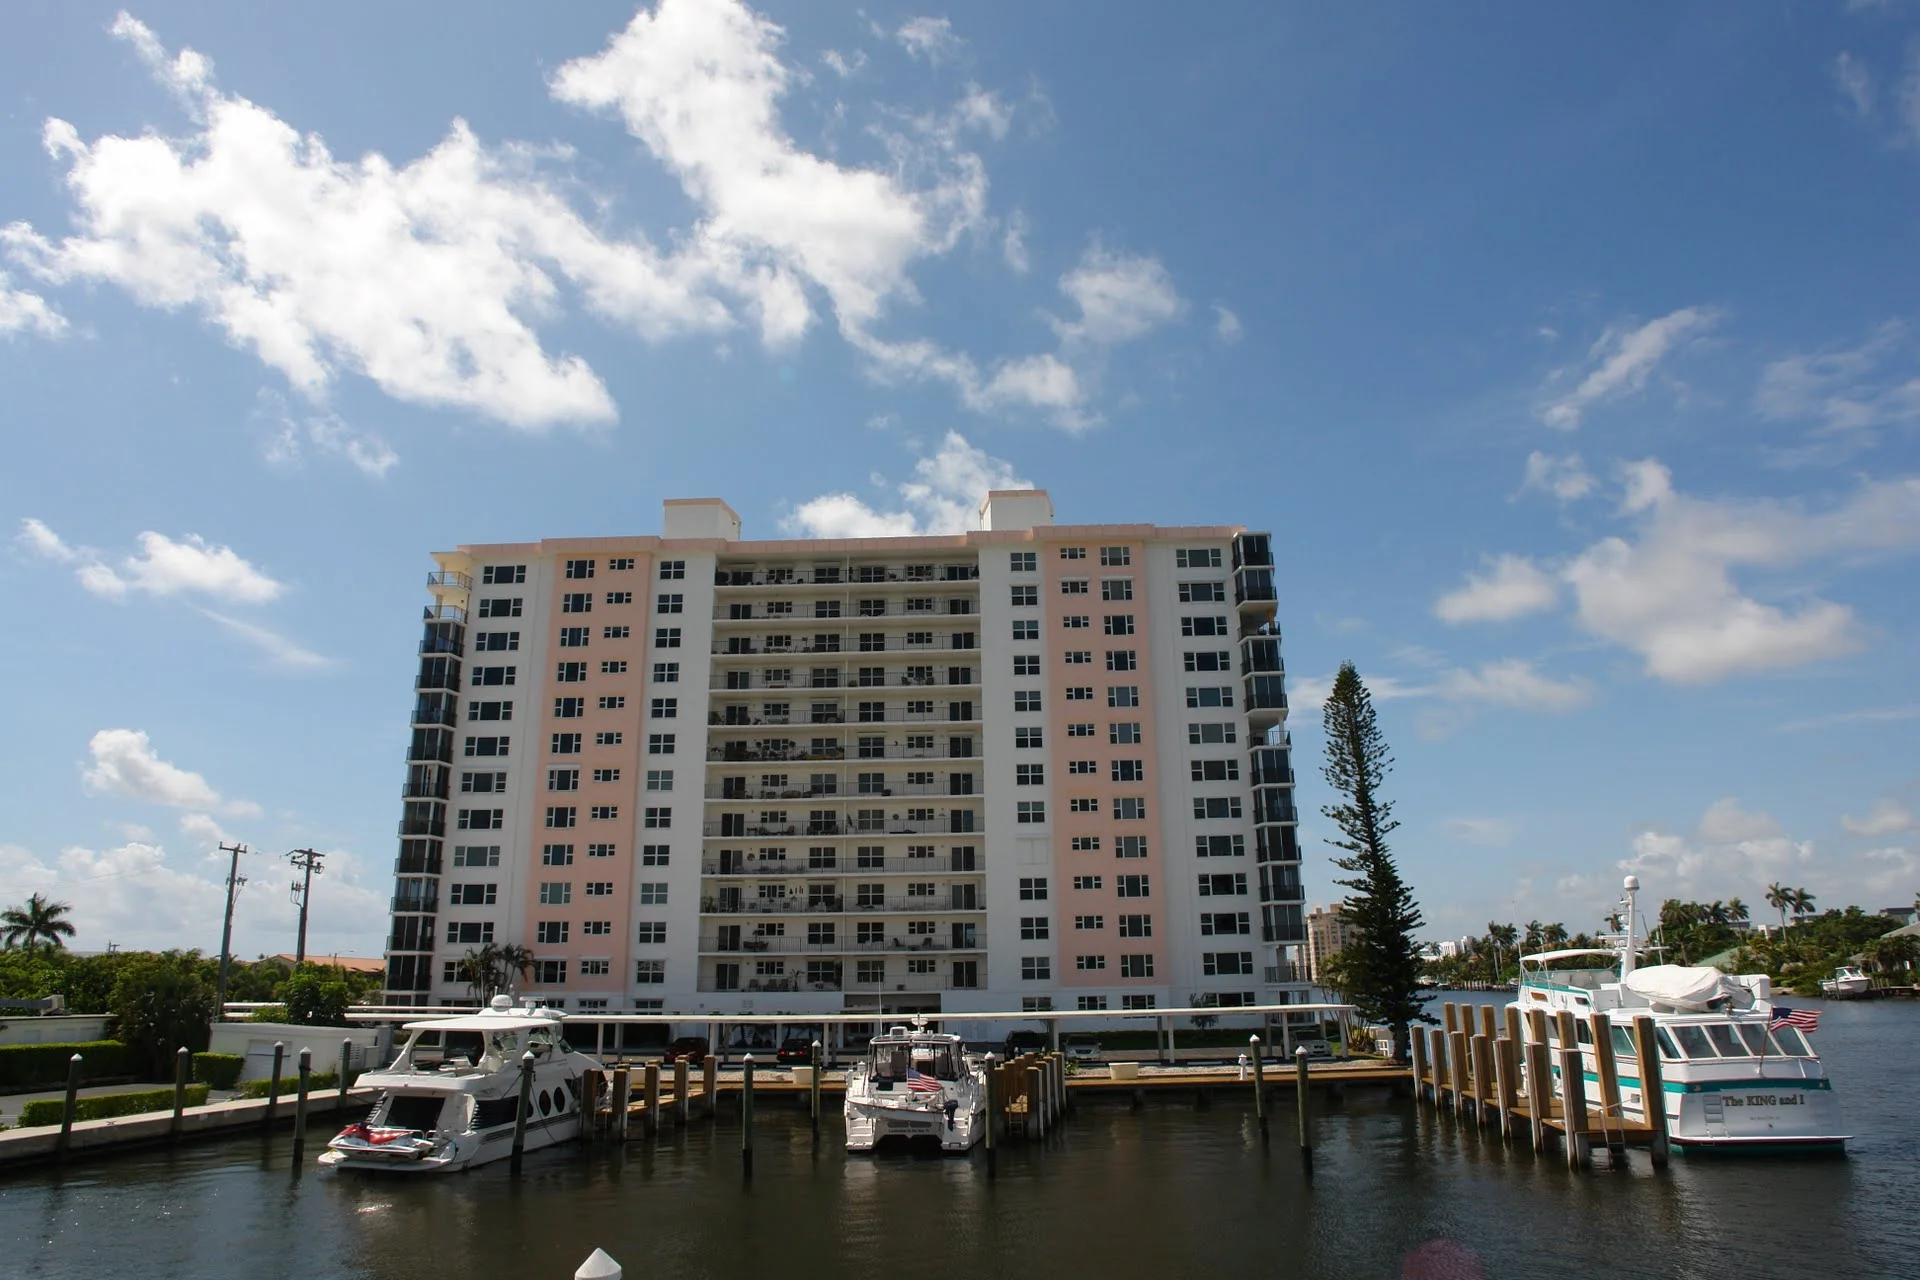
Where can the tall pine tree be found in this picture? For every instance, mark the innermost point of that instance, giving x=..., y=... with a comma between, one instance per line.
x=1382, y=966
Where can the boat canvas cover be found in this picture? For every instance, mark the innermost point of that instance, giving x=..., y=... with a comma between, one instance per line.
x=1692, y=988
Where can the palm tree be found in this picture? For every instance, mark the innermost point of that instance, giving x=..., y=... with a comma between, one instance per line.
x=489, y=968
x=515, y=958
x=1780, y=898
x=1554, y=935
x=39, y=921
x=1737, y=913
x=1802, y=903
x=1901, y=951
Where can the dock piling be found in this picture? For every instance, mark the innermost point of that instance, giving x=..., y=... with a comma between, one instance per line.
x=1418, y=1043
x=1653, y=1090
x=710, y=1085
x=1303, y=1105
x=1573, y=1092
x=1259, y=1088
x=300, y=1106
x=1437, y=1047
x=182, y=1063
x=1506, y=1083
x=622, y=1101
x=1036, y=1103
x=1606, y=1069
x=1487, y=1020
x=346, y=1058
x=1485, y=1095
x=598, y=1266
x=746, y=1116
x=682, y=1105
x=65, y=1140
x=273, y=1087
x=993, y=1115
x=650, y=1095
x=1539, y=1079
x=520, y=1113
x=819, y=1063
x=1459, y=1072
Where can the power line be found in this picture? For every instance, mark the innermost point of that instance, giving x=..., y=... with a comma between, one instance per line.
x=309, y=861
x=234, y=881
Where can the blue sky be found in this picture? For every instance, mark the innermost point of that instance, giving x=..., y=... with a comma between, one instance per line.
x=1573, y=358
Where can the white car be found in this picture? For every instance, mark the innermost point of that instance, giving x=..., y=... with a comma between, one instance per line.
x=1081, y=1048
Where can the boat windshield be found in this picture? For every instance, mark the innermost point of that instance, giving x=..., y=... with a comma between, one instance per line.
x=1708, y=1041
x=891, y=1061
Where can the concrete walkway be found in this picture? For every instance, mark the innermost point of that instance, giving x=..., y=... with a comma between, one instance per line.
x=11, y=1104
x=101, y=1136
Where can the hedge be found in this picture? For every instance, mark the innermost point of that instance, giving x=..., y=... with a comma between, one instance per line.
x=46, y=1064
x=49, y=1110
x=221, y=1070
x=290, y=1083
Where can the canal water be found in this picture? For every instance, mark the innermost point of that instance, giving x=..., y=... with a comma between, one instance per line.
x=1169, y=1190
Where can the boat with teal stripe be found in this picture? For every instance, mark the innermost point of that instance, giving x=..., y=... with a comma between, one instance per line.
x=1736, y=1074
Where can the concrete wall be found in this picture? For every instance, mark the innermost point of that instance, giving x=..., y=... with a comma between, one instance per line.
x=254, y=1040
x=59, y=1029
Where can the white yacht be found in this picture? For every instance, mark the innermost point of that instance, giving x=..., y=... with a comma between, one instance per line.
x=916, y=1084
x=449, y=1100
x=1848, y=982
x=1738, y=1073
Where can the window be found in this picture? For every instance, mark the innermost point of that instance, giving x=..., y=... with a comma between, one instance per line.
x=1221, y=661
x=579, y=568
x=1133, y=886
x=649, y=972
x=1026, y=629
x=674, y=603
x=1116, y=588
x=602, y=850
x=502, y=575
x=1033, y=889
x=1032, y=737
x=1023, y=561
x=653, y=893
x=659, y=744
x=1197, y=558
x=1030, y=811
x=1030, y=775
x=615, y=633
x=608, y=738
x=1073, y=553
x=480, y=677
x=1075, y=586
x=556, y=893
x=1086, y=844
x=1089, y=922
x=563, y=779
x=594, y=969
x=1033, y=928
x=1026, y=664
x=1080, y=767
x=1123, y=733
x=657, y=779
x=1215, y=770
x=473, y=895
x=1137, y=967
x=654, y=855
x=651, y=933
x=613, y=668
x=604, y=812
x=487, y=746
x=1024, y=597
x=612, y=702
x=619, y=597
x=1088, y=882
x=1203, y=626
x=1138, y=1002
x=1026, y=700
x=1077, y=657
x=569, y=708
x=1076, y=622
x=1129, y=771
x=1080, y=693
x=1118, y=624
x=670, y=570
x=599, y=888
x=1219, y=846
x=556, y=855
x=500, y=608
x=1225, y=923
x=489, y=711
x=469, y=932
x=1136, y=926
x=1130, y=846
x=1083, y=804
x=577, y=602
x=1079, y=730
x=666, y=637
x=560, y=817
x=550, y=933
x=1123, y=660
x=1035, y=968
x=664, y=708
x=658, y=819
x=1216, y=806
x=1207, y=734
x=1209, y=696
x=1203, y=593
x=481, y=820
x=496, y=641
x=483, y=782
x=1123, y=695
x=1130, y=809
x=550, y=973
x=1090, y=1004
x=663, y=672
x=1089, y=962
x=476, y=855
x=1226, y=884
x=1226, y=963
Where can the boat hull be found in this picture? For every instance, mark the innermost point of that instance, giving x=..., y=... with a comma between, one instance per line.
x=461, y=1151
x=869, y=1126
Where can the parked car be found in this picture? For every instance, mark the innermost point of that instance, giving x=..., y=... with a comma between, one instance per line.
x=1083, y=1047
x=1315, y=1048
x=692, y=1048
x=1019, y=1042
x=794, y=1051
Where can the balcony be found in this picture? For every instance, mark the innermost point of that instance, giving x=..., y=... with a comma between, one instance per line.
x=438, y=673
x=1283, y=975
x=1253, y=550
x=435, y=709
x=779, y=869
x=903, y=946
x=443, y=613
x=423, y=904
x=863, y=575
x=800, y=907
x=448, y=580
x=798, y=684
x=725, y=791
x=430, y=746
x=1253, y=588
x=424, y=789
x=893, y=826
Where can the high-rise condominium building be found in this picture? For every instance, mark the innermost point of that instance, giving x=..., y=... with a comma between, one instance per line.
x=1034, y=766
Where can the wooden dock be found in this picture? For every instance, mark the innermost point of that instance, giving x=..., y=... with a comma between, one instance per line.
x=1498, y=1072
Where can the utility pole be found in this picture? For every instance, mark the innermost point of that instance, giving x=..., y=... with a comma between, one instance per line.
x=234, y=881
x=309, y=861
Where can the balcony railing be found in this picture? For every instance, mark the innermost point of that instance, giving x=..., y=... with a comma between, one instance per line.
x=443, y=613
x=427, y=711
x=723, y=757
x=425, y=904
x=1275, y=975
x=774, y=868
x=800, y=907
x=800, y=683
x=447, y=578
x=854, y=576
x=902, y=946
x=423, y=827
x=804, y=830
x=1253, y=586
x=941, y=714
x=723, y=791
x=424, y=789
x=915, y=983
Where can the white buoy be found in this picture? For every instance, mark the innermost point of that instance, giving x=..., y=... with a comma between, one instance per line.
x=598, y=1266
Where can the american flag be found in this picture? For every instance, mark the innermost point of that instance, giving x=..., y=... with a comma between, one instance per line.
x=1804, y=1019
x=921, y=1082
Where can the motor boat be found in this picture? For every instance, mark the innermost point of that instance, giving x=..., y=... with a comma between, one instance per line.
x=1847, y=983
x=916, y=1084
x=1738, y=1072
x=451, y=1098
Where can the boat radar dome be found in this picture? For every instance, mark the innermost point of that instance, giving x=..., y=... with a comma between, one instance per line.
x=501, y=1004
x=1632, y=885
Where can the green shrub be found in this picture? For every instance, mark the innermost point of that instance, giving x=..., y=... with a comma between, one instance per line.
x=49, y=1110
x=46, y=1064
x=221, y=1070
x=269, y=1013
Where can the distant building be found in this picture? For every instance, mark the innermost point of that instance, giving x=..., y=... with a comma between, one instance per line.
x=352, y=964
x=1327, y=932
x=1905, y=915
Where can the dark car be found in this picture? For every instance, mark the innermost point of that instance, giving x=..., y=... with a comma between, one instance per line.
x=1019, y=1042
x=794, y=1051
x=692, y=1048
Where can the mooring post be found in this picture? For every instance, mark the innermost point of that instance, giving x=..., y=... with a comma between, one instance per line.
x=1458, y=1070
x=273, y=1086
x=1506, y=1083
x=520, y=1113
x=993, y=1116
x=1437, y=1042
x=305, y=1069
x=598, y=1266
x=1036, y=1103
x=819, y=1064
x=1485, y=1096
x=1418, y=1042
x=651, y=1096
x=1487, y=1021
x=65, y=1140
x=346, y=1071
x=746, y=1116
x=1513, y=1023
x=1539, y=1078
x=710, y=1085
x=1259, y=1088
x=680, y=1100
x=1607, y=1072
x=622, y=1100
x=1653, y=1089
x=182, y=1062
x=1303, y=1105
x=1449, y=1017
x=1573, y=1091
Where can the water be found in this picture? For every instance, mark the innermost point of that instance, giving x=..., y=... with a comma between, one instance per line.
x=1165, y=1191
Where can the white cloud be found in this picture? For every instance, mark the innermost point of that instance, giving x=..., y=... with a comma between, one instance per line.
x=202, y=830
x=1855, y=83
x=843, y=65
x=1863, y=715
x=1513, y=588
x=929, y=38
x=1841, y=390
x=23, y=312
x=943, y=498
x=125, y=764
x=162, y=567
x=1885, y=818
x=1226, y=325
x=1121, y=297
x=291, y=436
x=1013, y=244
x=1731, y=853
x=1622, y=360
x=1513, y=682
x=278, y=650
x=1566, y=478
x=1309, y=693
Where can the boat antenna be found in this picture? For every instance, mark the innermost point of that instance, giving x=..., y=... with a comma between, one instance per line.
x=1632, y=887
